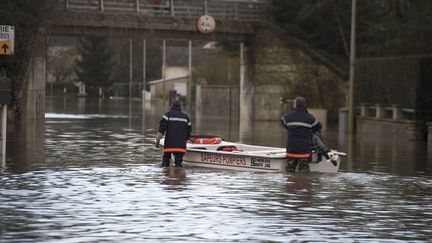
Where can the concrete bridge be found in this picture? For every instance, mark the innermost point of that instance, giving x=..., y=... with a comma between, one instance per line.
x=235, y=20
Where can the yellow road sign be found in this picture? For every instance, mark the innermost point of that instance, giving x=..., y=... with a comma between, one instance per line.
x=7, y=39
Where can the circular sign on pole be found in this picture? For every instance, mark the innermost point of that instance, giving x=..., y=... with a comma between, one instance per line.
x=206, y=24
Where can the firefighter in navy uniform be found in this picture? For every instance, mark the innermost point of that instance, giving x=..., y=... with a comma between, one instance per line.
x=177, y=129
x=300, y=125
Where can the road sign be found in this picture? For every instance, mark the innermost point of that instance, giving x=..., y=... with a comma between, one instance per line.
x=7, y=39
x=206, y=24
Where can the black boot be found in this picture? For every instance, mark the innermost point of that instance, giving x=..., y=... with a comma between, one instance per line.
x=292, y=164
x=165, y=164
x=166, y=159
x=178, y=159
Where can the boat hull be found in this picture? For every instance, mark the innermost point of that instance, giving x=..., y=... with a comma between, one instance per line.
x=233, y=161
x=244, y=162
x=248, y=158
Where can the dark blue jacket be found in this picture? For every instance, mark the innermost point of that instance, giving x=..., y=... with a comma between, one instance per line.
x=177, y=129
x=300, y=125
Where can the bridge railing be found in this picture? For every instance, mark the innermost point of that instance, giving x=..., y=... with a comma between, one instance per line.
x=395, y=112
x=248, y=10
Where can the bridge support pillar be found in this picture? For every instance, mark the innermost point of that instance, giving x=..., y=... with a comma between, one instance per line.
x=429, y=136
x=29, y=130
x=34, y=91
x=246, y=84
x=246, y=91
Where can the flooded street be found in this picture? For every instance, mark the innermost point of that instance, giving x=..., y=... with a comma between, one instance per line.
x=93, y=175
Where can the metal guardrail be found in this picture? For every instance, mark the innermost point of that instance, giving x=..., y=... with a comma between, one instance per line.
x=247, y=10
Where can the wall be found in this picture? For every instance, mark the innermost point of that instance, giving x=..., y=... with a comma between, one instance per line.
x=391, y=129
x=122, y=89
x=321, y=116
x=213, y=101
x=283, y=68
x=157, y=90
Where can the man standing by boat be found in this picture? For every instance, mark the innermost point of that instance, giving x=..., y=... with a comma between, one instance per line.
x=300, y=125
x=177, y=129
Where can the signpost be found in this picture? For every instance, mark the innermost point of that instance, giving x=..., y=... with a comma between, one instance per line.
x=5, y=98
x=7, y=39
x=3, y=135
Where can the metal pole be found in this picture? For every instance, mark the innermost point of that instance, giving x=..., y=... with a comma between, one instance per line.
x=4, y=133
x=137, y=6
x=67, y=4
x=189, y=93
x=205, y=7
x=47, y=64
x=163, y=71
x=190, y=59
x=144, y=71
x=130, y=69
x=172, y=7
x=101, y=3
x=352, y=69
x=229, y=90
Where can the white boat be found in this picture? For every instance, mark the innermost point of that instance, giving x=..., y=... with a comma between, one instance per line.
x=238, y=156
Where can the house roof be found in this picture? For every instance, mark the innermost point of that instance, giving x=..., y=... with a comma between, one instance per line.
x=153, y=82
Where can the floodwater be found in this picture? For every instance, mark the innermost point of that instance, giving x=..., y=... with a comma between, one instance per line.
x=91, y=174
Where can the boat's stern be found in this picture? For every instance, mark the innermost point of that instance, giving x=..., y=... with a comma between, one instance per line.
x=321, y=164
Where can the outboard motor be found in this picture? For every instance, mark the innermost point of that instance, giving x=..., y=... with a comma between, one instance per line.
x=323, y=149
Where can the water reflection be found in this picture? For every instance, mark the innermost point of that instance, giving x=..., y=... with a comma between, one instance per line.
x=245, y=128
x=99, y=179
x=298, y=183
x=174, y=177
x=381, y=154
x=26, y=144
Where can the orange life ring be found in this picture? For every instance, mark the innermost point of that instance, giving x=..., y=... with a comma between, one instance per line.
x=215, y=140
x=228, y=149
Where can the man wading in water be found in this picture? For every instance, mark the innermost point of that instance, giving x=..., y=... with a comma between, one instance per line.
x=300, y=125
x=177, y=129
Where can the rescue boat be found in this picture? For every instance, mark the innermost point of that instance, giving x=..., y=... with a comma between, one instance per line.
x=237, y=156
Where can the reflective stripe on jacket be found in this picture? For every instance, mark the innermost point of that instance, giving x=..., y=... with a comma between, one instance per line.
x=300, y=125
x=177, y=129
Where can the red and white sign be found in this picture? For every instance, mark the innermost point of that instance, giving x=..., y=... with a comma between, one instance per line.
x=206, y=24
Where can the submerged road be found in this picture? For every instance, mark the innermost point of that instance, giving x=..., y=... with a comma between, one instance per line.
x=93, y=175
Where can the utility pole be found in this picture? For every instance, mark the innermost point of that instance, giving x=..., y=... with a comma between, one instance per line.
x=3, y=135
x=144, y=71
x=189, y=91
x=130, y=82
x=163, y=71
x=130, y=70
x=351, y=110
